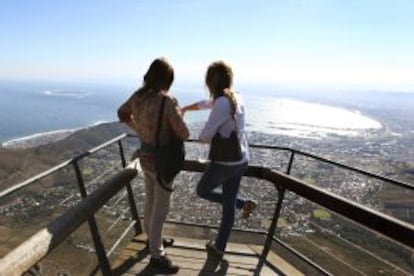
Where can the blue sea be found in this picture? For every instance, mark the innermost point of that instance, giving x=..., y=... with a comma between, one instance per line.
x=29, y=108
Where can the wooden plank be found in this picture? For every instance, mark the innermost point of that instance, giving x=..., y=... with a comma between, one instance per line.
x=193, y=266
x=130, y=250
x=191, y=256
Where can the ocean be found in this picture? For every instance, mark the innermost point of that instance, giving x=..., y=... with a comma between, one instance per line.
x=37, y=108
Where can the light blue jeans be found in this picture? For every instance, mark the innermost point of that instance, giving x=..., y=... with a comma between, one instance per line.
x=229, y=178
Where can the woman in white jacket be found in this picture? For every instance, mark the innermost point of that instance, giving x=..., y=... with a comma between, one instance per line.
x=225, y=120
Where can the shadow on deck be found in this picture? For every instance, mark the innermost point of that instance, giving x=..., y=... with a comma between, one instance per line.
x=191, y=256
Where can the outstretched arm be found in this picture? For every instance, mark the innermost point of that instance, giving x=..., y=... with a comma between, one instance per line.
x=201, y=105
x=219, y=114
x=190, y=107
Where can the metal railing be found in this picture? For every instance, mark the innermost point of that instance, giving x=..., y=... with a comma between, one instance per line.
x=388, y=226
x=74, y=162
x=44, y=241
x=294, y=153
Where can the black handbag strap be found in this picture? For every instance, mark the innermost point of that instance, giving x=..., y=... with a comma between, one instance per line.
x=157, y=145
x=159, y=124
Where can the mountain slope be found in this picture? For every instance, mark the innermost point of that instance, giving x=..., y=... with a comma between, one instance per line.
x=19, y=164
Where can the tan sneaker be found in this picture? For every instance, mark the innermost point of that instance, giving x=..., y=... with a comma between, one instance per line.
x=248, y=207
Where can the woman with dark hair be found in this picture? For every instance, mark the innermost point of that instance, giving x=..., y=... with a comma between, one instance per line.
x=141, y=112
x=225, y=126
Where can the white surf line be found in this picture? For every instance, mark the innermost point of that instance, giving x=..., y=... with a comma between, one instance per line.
x=363, y=249
x=39, y=135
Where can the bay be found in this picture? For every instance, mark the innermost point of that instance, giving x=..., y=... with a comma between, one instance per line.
x=32, y=108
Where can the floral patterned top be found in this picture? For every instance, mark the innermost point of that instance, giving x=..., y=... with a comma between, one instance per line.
x=141, y=112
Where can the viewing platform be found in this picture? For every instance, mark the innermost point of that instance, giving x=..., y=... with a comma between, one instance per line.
x=191, y=255
x=101, y=227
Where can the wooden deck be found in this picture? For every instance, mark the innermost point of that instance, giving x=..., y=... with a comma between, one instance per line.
x=191, y=256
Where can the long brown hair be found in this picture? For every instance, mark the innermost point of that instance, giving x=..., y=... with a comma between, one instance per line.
x=219, y=79
x=159, y=76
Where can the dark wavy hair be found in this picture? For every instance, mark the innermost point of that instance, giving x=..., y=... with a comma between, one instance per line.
x=219, y=79
x=160, y=76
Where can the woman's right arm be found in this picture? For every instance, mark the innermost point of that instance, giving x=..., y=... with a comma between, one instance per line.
x=176, y=120
x=219, y=114
x=125, y=111
x=201, y=105
x=125, y=114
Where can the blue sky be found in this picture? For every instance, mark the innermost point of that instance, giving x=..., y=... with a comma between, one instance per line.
x=299, y=43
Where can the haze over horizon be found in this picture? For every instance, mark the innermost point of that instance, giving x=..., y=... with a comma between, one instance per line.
x=291, y=43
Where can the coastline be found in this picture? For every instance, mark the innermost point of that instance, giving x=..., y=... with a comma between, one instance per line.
x=276, y=115
x=38, y=139
x=293, y=130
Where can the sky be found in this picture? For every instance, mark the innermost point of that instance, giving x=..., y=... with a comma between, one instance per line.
x=364, y=44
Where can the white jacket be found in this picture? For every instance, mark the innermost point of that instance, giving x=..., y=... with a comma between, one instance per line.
x=220, y=120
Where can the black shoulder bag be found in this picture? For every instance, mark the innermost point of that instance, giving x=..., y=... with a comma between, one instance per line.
x=169, y=158
x=225, y=149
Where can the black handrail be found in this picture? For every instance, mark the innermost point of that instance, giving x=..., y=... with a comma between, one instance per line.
x=44, y=241
x=58, y=167
x=400, y=183
x=390, y=227
x=99, y=247
x=122, y=136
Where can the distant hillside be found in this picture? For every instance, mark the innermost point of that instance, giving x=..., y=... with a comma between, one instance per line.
x=83, y=140
x=19, y=164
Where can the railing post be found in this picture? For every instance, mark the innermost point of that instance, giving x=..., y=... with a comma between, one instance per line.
x=122, y=154
x=289, y=168
x=131, y=199
x=271, y=231
x=99, y=247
